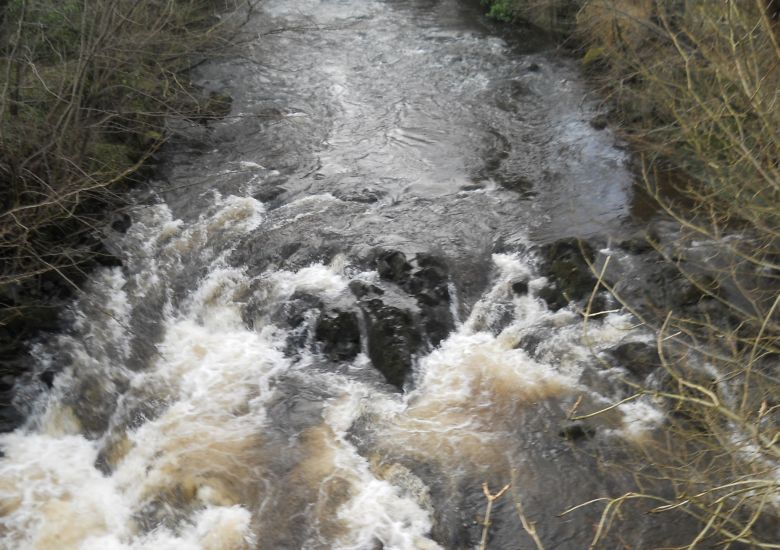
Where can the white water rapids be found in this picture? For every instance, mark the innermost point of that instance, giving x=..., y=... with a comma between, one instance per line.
x=206, y=450
x=185, y=414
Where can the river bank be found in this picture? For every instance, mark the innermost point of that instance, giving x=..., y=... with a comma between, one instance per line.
x=676, y=83
x=88, y=93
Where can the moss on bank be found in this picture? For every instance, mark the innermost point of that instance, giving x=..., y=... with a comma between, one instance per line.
x=86, y=90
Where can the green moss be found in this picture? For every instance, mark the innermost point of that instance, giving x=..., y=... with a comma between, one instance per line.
x=593, y=55
x=501, y=10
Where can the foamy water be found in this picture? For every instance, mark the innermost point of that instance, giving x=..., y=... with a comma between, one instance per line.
x=193, y=474
x=187, y=412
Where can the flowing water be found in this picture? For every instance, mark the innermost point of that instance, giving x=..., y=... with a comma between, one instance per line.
x=374, y=196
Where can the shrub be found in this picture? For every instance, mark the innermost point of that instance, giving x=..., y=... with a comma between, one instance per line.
x=86, y=89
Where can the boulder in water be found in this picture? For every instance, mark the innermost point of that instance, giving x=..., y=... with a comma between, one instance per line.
x=638, y=358
x=564, y=264
x=393, y=339
x=339, y=334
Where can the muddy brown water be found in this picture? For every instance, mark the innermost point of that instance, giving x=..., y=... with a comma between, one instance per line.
x=321, y=335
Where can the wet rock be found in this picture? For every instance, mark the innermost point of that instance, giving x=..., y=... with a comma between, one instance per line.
x=339, y=334
x=47, y=377
x=392, y=266
x=11, y=368
x=293, y=312
x=121, y=223
x=361, y=289
x=530, y=342
x=568, y=272
x=365, y=196
x=472, y=187
x=638, y=244
x=10, y=417
x=430, y=285
x=392, y=339
x=93, y=401
x=639, y=358
x=106, y=259
x=269, y=193
x=520, y=287
x=598, y=122
x=554, y=299
x=297, y=314
x=426, y=279
x=7, y=382
x=675, y=289
x=576, y=431
x=217, y=106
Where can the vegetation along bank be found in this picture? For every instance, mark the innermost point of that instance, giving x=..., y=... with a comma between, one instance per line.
x=87, y=88
x=694, y=87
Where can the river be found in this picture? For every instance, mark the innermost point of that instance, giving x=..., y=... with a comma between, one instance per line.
x=326, y=331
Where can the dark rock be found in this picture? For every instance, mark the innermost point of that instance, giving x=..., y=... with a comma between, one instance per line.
x=675, y=289
x=530, y=342
x=7, y=382
x=361, y=289
x=598, y=122
x=106, y=259
x=392, y=266
x=298, y=314
x=472, y=187
x=428, y=298
x=639, y=358
x=425, y=278
x=437, y=321
x=269, y=193
x=121, y=223
x=217, y=106
x=554, y=298
x=10, y=417
x=520, y=287
x=636, y=245
x=366, y=196
x=568, y=271
x=292, y=313
x=392, y=339
x=430, y=285
x=533, y=68
x=94, y=400
x=575, y=431
x=339, y=334
x=47, y=377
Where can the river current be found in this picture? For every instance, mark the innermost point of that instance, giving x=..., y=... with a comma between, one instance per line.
x=378, y=189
